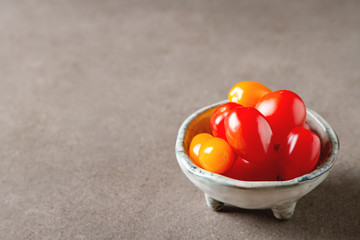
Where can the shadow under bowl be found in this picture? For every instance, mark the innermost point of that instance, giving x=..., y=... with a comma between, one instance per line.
x=280, y=196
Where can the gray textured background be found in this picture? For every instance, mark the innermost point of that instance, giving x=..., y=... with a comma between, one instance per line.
x=92, y=94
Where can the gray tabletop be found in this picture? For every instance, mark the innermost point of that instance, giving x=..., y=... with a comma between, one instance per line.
x=92, y=94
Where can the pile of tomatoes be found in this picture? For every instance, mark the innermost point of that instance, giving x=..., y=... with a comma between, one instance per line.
x=259, y=135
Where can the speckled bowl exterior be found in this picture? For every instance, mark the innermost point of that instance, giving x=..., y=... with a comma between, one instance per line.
x=280, y=196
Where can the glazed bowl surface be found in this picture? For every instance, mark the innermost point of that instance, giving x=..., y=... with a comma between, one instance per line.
x=280, y=196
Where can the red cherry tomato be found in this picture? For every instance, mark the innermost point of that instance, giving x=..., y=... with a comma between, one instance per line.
x=299, y=153
x=216, y=155
x=284, y=110
x=217, y=119
x=248, y=132
x=250, y=171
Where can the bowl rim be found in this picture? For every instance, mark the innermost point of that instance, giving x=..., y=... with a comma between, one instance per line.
x=191, y=168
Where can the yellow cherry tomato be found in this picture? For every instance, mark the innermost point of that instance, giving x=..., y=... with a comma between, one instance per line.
x=195, y=146
x=216, y=155
x=247, y=93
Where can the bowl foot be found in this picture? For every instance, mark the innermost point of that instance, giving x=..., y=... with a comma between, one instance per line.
x=284, y=211
x=213, y=204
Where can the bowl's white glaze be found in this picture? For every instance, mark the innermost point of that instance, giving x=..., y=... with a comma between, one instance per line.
x=280, y=196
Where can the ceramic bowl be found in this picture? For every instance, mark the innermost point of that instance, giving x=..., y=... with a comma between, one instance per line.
x=279, y=196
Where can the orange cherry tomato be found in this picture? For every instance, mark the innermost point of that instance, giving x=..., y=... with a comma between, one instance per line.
x=195, y=146
x=247, y=93
x=216, y=155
